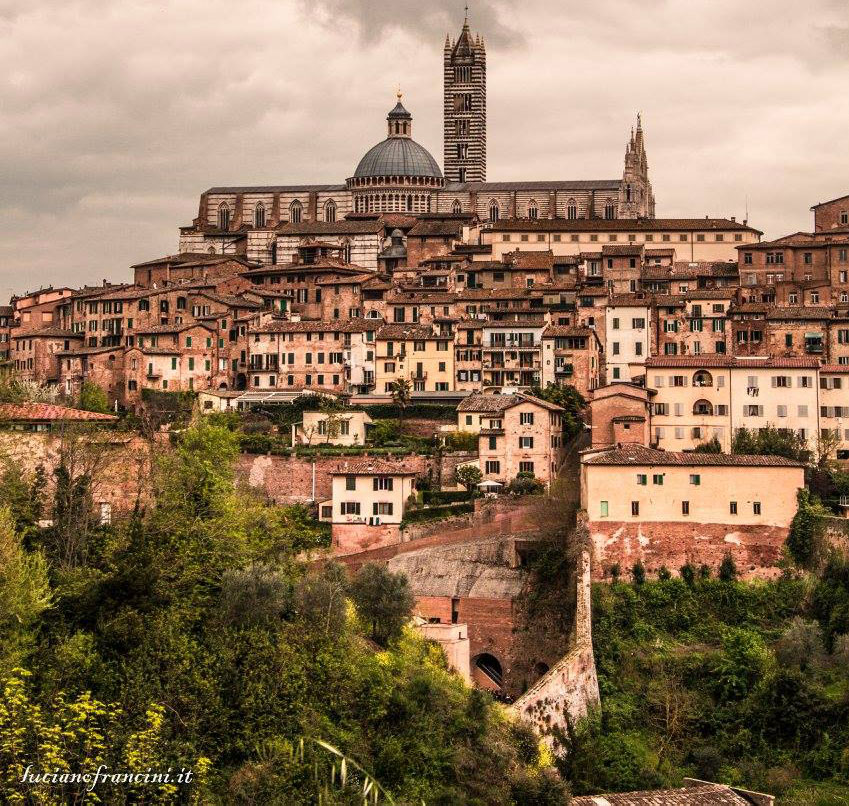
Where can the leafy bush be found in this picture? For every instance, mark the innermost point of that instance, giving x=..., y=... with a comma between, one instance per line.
x=436, y=513
x=444, y=497
x=416, y=411
x=461, y=441
x=525, y=484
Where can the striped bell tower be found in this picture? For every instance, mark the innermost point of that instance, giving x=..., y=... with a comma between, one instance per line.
x=464, y=117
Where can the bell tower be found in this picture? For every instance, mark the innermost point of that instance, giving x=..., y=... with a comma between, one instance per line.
x=636, y=196
x=464, y=117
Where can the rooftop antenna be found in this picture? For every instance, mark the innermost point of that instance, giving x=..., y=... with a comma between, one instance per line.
x=746, y=220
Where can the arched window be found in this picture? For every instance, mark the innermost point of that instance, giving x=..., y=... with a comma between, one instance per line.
x=259, y=215
x=456, y=207
x=409, y=204
x=223, y=216
x=346, y=251
x=571, y=209
x=627, y=193
x=702, y=378
x=330, y=211
x=610, y=209
x=533, y=210
x=295, y=210
x=703, y=407
x=493, y=210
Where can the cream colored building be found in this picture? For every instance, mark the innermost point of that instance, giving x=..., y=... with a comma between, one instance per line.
x=627, y=322
x=370, y=492
x=517, y=433
x=693, y=239
x=834, y=406
x=635, y=484
x=417, y=353
x=702, y=397
x=331, y=428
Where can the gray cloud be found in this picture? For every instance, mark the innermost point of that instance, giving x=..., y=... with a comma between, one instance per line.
x=117, y=115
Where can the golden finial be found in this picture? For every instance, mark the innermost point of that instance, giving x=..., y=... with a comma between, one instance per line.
x=399, y=93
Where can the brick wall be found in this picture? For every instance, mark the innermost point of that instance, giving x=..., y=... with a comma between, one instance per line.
x=124, y=463
x=570, y=687
x=289, y=479
x=756, y=549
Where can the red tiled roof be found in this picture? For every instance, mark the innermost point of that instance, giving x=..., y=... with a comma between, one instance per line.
x=697, y=795
x=640, y=455
x=47, y=412
x=369, y=467
x=730, y=362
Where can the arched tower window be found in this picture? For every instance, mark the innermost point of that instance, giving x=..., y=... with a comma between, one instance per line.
x=295, y=211
x=330, y=211
x=346, y=251
x=533, y=210
x=571, y=209
x=610, y=209
x=456, y=207
x=493, y=210
x=259, y=215
x=223, y=216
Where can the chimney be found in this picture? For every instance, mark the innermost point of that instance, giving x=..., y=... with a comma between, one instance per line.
x=734, y=218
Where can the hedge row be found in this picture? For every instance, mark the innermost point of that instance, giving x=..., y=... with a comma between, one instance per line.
x=421, y=411
x=436, y=513
x=445, y=496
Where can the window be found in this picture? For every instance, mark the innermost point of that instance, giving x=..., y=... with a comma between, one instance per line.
x=756, y=507
x=259, y=215
x=295, y=212
x=526, y=418
x=492, y=467
x=642, y=479
x=657, y=478
x=493, y=212
x=603, y=509
x=733, y=507
x=685, y=507
x=350, y=482
x=635, y=509
x=350, y=507
x=223, y=216
x=382, y=508
x=695, y=479
x=526, y=467
x=526, y=442
x=382, y=483
x=330, y=211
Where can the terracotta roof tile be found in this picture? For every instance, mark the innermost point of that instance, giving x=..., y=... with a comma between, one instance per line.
x=42, y=412
x=640, y=455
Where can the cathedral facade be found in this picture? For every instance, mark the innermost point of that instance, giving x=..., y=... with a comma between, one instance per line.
x=400, y=176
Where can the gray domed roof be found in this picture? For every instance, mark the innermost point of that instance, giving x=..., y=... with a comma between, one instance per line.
x=398, y=156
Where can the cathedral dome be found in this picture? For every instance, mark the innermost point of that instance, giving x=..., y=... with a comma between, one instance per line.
x=398, y=156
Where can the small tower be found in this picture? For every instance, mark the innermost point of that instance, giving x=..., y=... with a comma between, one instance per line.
x=636, y=199
x=464, y=117
x=400, y=121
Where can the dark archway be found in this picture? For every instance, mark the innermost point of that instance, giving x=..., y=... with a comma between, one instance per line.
x=540, y=668
x=489, y=668
x=241, y=382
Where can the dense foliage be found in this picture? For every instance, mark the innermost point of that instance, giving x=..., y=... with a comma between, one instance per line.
x=771, y=441
x=568, y=398
x=745, y=683
x=191, y=635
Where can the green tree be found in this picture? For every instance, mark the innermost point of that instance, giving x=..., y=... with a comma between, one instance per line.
x=771, y=441
x=401, y=390
x=93, y=398
x=727, y=568
x=638, y=573
x=384, y=601
x=24, y=593
x=469, y=476
x=569, y=399
x=805, y=539
x=711, y=446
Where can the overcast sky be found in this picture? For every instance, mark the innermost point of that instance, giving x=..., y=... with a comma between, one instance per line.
x=115, y=116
